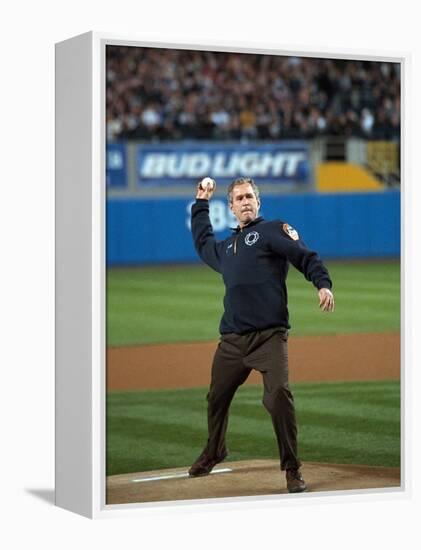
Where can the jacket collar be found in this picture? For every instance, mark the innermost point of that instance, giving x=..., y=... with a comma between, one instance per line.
x=254, y=222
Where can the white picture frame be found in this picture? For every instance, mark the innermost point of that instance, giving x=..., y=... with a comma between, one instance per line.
x=80, y=279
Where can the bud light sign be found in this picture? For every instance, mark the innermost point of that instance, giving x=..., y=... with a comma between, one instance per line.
x=174, y=164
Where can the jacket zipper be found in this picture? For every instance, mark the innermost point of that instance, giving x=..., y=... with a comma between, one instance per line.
x=235, y=242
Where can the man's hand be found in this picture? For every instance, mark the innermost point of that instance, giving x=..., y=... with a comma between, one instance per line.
x=205, y=188
x=327, y=302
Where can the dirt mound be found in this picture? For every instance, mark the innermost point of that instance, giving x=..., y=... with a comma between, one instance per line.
x=244, y=478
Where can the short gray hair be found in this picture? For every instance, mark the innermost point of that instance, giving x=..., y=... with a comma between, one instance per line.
x=242, y=181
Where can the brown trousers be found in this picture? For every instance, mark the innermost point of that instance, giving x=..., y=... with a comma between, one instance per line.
x=267, y=352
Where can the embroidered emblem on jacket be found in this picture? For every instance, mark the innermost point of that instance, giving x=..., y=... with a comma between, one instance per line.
x=251, y=238
x=290, y=231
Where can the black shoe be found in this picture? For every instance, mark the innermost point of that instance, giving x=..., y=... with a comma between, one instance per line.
x=205, y=463
x=295, y=481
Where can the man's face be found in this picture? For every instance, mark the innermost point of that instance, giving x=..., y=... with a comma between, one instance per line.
x=245, y=206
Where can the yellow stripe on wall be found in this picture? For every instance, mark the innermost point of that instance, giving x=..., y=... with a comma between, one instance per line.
x=344, y=176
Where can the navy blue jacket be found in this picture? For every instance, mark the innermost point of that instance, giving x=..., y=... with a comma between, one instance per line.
x=254, y=265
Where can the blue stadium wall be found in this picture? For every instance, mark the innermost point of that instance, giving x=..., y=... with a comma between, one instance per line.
x=156, y=231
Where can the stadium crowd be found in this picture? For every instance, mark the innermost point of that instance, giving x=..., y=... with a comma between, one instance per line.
x=164, y=94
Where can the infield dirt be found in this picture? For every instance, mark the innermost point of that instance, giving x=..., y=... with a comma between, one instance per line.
x=344, y=357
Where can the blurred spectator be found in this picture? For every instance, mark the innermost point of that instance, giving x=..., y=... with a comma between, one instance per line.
x=367, y=121
x=163, y=94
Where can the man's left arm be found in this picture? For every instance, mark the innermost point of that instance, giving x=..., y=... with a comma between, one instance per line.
x=286, y=242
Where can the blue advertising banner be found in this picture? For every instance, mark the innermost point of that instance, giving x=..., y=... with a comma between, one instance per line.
x=354, y=225
x=116, y=165
x=185, y=163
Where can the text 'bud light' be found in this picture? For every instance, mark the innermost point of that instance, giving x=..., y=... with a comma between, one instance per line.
x=179, y=164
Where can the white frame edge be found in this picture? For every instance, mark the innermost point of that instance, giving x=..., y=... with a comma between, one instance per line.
x=74, y=314
x=81, y=275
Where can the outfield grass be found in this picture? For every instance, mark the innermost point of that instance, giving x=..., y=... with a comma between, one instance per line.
x=184, y=303
x=355, y=423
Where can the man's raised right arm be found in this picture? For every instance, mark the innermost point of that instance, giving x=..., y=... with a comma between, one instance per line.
x=202, y=231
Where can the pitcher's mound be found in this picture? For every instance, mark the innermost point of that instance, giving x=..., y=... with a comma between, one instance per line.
x=243, y=478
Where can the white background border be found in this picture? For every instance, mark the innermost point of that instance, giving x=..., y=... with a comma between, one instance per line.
x=27, y=218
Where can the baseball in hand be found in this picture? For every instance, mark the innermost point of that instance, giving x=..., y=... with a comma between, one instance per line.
x=207, y=184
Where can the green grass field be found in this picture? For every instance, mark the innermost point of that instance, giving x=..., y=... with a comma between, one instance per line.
x=184, y=303
x=355, y=423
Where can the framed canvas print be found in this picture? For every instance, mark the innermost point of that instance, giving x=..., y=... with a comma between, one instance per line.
x=228, y=311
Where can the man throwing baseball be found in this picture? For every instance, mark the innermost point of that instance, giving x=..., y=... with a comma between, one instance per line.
x=254, y=327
